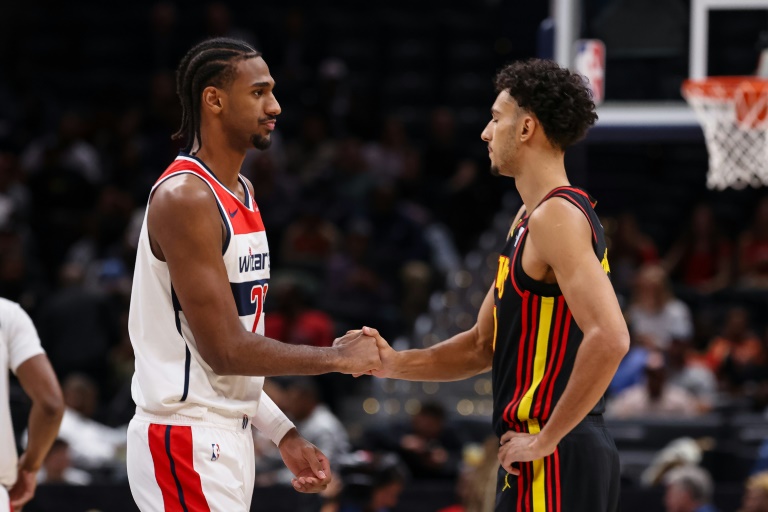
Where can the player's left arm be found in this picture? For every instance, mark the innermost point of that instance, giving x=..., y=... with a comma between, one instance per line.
x=562, y=238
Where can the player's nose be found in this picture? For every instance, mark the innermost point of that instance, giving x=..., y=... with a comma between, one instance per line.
x=486, y=133
x=273, y=107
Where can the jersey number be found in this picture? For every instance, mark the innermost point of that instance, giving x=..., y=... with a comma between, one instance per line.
x=258, y=295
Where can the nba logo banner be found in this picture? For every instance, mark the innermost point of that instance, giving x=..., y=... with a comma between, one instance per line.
x=590, y=62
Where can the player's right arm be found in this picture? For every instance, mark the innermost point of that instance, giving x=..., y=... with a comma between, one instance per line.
x=186, y=232
x=465, y=355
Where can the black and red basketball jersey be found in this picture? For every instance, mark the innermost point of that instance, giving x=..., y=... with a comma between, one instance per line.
x=535, y=338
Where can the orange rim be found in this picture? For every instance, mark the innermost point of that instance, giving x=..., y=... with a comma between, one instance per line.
x=722, y=87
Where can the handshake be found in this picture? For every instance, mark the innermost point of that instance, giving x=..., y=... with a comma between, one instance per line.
x=365, y=352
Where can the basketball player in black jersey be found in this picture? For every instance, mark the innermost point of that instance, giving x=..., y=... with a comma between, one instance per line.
x=550, y=327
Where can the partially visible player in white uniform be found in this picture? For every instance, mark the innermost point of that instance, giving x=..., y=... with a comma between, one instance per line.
x=21, y=353
x=196, y=323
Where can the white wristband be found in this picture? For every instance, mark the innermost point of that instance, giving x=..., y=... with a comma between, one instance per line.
x=270, y=420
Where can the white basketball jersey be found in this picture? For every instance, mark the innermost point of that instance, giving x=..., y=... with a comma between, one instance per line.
x=171, y=377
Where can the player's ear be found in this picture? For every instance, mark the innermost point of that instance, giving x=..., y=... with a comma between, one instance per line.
x=212, y=100
x=527, y=127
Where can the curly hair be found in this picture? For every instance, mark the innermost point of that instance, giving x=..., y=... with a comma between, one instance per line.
x=559, y=98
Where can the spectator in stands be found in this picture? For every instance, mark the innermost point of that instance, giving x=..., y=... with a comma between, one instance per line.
x=347, y=181
x=14, y=195
x=69, y=147
x=218, y=21
x=104, y=234
x=57, y=467
x=165, y=45
x=386, y=157
x=756, y=494
x=313, y=151
x=702, y=256
x=399, y=239
x=738, y=355
x=689, y=489
x=476, y=488
x=19, y=280
x=275, y=194
x=761, y=464
x=441, y=154
x=753, y=250
x=78, y=327
x=294, y=321
x=318, y=424
x=354, y=288
x=21, y=353
x=93, y=446
x=310, y=240
x=630, y=249
x=372, y=486
x=687, y=370
x=428, y=445
x=655, y=314
x=655, y=397
x=631, y=370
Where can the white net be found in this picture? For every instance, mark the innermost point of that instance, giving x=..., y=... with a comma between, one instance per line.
x=732, y=113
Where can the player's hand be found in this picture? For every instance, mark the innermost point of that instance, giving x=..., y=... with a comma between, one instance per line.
x=520, y=447
x=359, y=353
x=24, y=488
x=311, y=470
x=386, y=353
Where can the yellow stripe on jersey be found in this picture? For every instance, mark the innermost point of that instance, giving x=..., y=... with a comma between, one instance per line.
x=501, y=275
x=539, y=475
x=540, y=357
x=524, y=410
x=604, y=262
x=495, y=328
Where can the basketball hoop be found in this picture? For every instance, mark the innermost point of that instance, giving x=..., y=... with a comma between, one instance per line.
x=733, y=112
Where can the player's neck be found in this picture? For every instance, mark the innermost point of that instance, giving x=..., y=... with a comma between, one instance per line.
x=542, y=176
x=225, y=162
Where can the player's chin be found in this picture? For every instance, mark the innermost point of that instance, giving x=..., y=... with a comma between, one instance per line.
x=261, y=141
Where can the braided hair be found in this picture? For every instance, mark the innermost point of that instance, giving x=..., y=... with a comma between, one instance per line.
x=211, y=62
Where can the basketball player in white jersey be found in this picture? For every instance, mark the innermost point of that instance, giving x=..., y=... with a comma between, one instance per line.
x=196, y=323
x=20, y=352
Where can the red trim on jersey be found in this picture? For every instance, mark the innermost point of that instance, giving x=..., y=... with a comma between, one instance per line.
x=244, y=220
x=550, y=363
x=520, y=344
x=162, y=463
x=182, y=452
x=557, y=479
x=572, y=189
x=520, y=493
x=549, y=470
x=564, y=338
x=521, y=387
x=520, y=352
x=512, y=262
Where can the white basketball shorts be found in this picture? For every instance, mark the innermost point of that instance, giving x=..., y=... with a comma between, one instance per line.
x=5, y=501
x=181, y=464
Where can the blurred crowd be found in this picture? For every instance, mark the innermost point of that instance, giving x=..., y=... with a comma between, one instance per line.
x=697, y=318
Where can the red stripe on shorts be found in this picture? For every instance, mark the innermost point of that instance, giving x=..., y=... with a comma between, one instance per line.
x=182, y=453
x=162, y=465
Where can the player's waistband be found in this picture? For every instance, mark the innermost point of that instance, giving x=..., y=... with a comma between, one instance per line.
x=241, y=422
